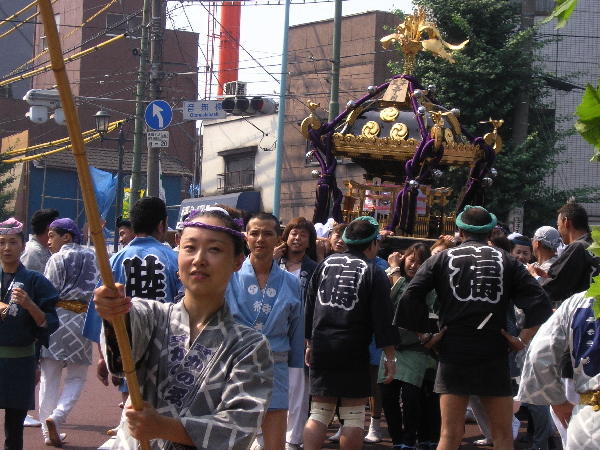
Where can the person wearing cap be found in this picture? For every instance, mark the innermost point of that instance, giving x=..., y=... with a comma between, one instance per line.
x=545, y=243
x=347, y=302
x=27, y=316
x=72, y=270
x=37, y=253
x=475, y=285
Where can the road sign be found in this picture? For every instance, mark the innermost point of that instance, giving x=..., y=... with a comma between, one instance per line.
x=157, y=139
x=203, y=109
x=158, y=114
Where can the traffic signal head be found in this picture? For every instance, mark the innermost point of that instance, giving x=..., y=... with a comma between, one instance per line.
x=242, y=106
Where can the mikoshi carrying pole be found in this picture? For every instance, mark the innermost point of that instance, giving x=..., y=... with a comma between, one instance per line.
x=89, y=198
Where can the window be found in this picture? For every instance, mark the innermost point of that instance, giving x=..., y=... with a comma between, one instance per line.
x=43, y=40
x=239, y=170
x=119, y=23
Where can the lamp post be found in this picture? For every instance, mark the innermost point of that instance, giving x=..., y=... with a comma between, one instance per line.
x=102, y=120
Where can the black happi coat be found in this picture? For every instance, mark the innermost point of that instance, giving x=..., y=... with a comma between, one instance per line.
x=347, y=301
x=472, y=281
x=572, y=271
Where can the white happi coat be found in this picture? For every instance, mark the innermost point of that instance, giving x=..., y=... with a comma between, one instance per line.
x=219, y=386
x=571, y=330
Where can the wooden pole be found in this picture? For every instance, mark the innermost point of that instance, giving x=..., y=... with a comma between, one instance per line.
x=89, y=198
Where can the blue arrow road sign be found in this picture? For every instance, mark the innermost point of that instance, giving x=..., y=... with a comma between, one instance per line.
x=158, y=114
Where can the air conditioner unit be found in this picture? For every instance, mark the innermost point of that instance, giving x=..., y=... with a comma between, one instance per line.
x=236, y=88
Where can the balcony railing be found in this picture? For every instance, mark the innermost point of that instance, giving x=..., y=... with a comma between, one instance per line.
x=239, y=180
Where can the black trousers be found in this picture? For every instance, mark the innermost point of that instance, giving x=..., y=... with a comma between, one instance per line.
x=411, y=411
x=13, y=428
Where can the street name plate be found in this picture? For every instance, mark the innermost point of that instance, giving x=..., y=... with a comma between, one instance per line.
x=203, y=110
x=157, y=139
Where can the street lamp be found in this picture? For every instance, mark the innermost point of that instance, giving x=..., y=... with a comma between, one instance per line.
x=102, y=121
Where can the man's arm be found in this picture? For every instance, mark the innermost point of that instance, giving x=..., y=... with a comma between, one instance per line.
x=564, y=276
x=412, y=311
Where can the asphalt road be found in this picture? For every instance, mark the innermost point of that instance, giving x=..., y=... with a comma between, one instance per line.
x=97, y=411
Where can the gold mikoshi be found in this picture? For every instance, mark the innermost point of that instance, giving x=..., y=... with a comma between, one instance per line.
x=371, y=129
x=399, y=131
x=389, y=114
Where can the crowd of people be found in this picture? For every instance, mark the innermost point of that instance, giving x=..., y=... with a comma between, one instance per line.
x=248, y=334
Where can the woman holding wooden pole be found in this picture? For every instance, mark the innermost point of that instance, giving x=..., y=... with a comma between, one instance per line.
x=87, y=190
x=207, y=379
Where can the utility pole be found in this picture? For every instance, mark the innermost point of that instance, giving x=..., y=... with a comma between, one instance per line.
x=138, y=133
x=521, y=114
x=334, y=104
x=157, y=27
x=281, y=113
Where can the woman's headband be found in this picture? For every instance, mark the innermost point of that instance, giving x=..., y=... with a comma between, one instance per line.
x=231, y=231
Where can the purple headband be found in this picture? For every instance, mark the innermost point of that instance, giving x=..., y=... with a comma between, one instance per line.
x=230, y=231
x=11, y=226
x=68, y=225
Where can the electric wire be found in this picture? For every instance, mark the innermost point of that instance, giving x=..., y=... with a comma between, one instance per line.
x=105, y=31
x=18, y=13
x=19, y=25
x=69, y=59
x=69, y=34
x=90, y=135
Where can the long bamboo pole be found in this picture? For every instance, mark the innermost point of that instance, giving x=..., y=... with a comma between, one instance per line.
x=89, y=198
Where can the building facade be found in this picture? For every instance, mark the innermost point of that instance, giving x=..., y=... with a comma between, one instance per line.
x=363, y=62
x=238, y=155
x=572, y=56
x=105, y=80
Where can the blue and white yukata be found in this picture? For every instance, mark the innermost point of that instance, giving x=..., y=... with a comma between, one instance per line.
x=72, y=270
x=572, y=330
x=148, y=269
x=276, y=311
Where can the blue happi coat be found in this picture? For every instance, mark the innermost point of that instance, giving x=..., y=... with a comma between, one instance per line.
x=148, y=269
x=18, y=332
x=276, y=311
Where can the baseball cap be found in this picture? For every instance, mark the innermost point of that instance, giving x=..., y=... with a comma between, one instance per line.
x=548, y=236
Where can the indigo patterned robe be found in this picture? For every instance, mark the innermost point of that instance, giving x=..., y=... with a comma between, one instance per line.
x=72, y=271
x=571, y=330
x=219, y=386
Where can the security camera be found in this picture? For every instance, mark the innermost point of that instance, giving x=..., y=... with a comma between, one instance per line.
x=38, y=114
x=58, y=116
x=43, y=97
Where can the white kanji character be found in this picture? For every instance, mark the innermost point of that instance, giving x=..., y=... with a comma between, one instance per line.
x=257, y=305
x=266, y=308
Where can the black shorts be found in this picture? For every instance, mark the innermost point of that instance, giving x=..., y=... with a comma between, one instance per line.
x=347, y=383
x=490, y=378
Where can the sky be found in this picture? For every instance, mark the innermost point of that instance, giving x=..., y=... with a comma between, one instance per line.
x=262, y=33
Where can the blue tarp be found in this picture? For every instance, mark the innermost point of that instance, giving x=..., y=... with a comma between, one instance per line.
x=105, y=188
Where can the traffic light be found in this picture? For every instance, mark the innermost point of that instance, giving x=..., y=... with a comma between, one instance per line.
x=244, y=106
